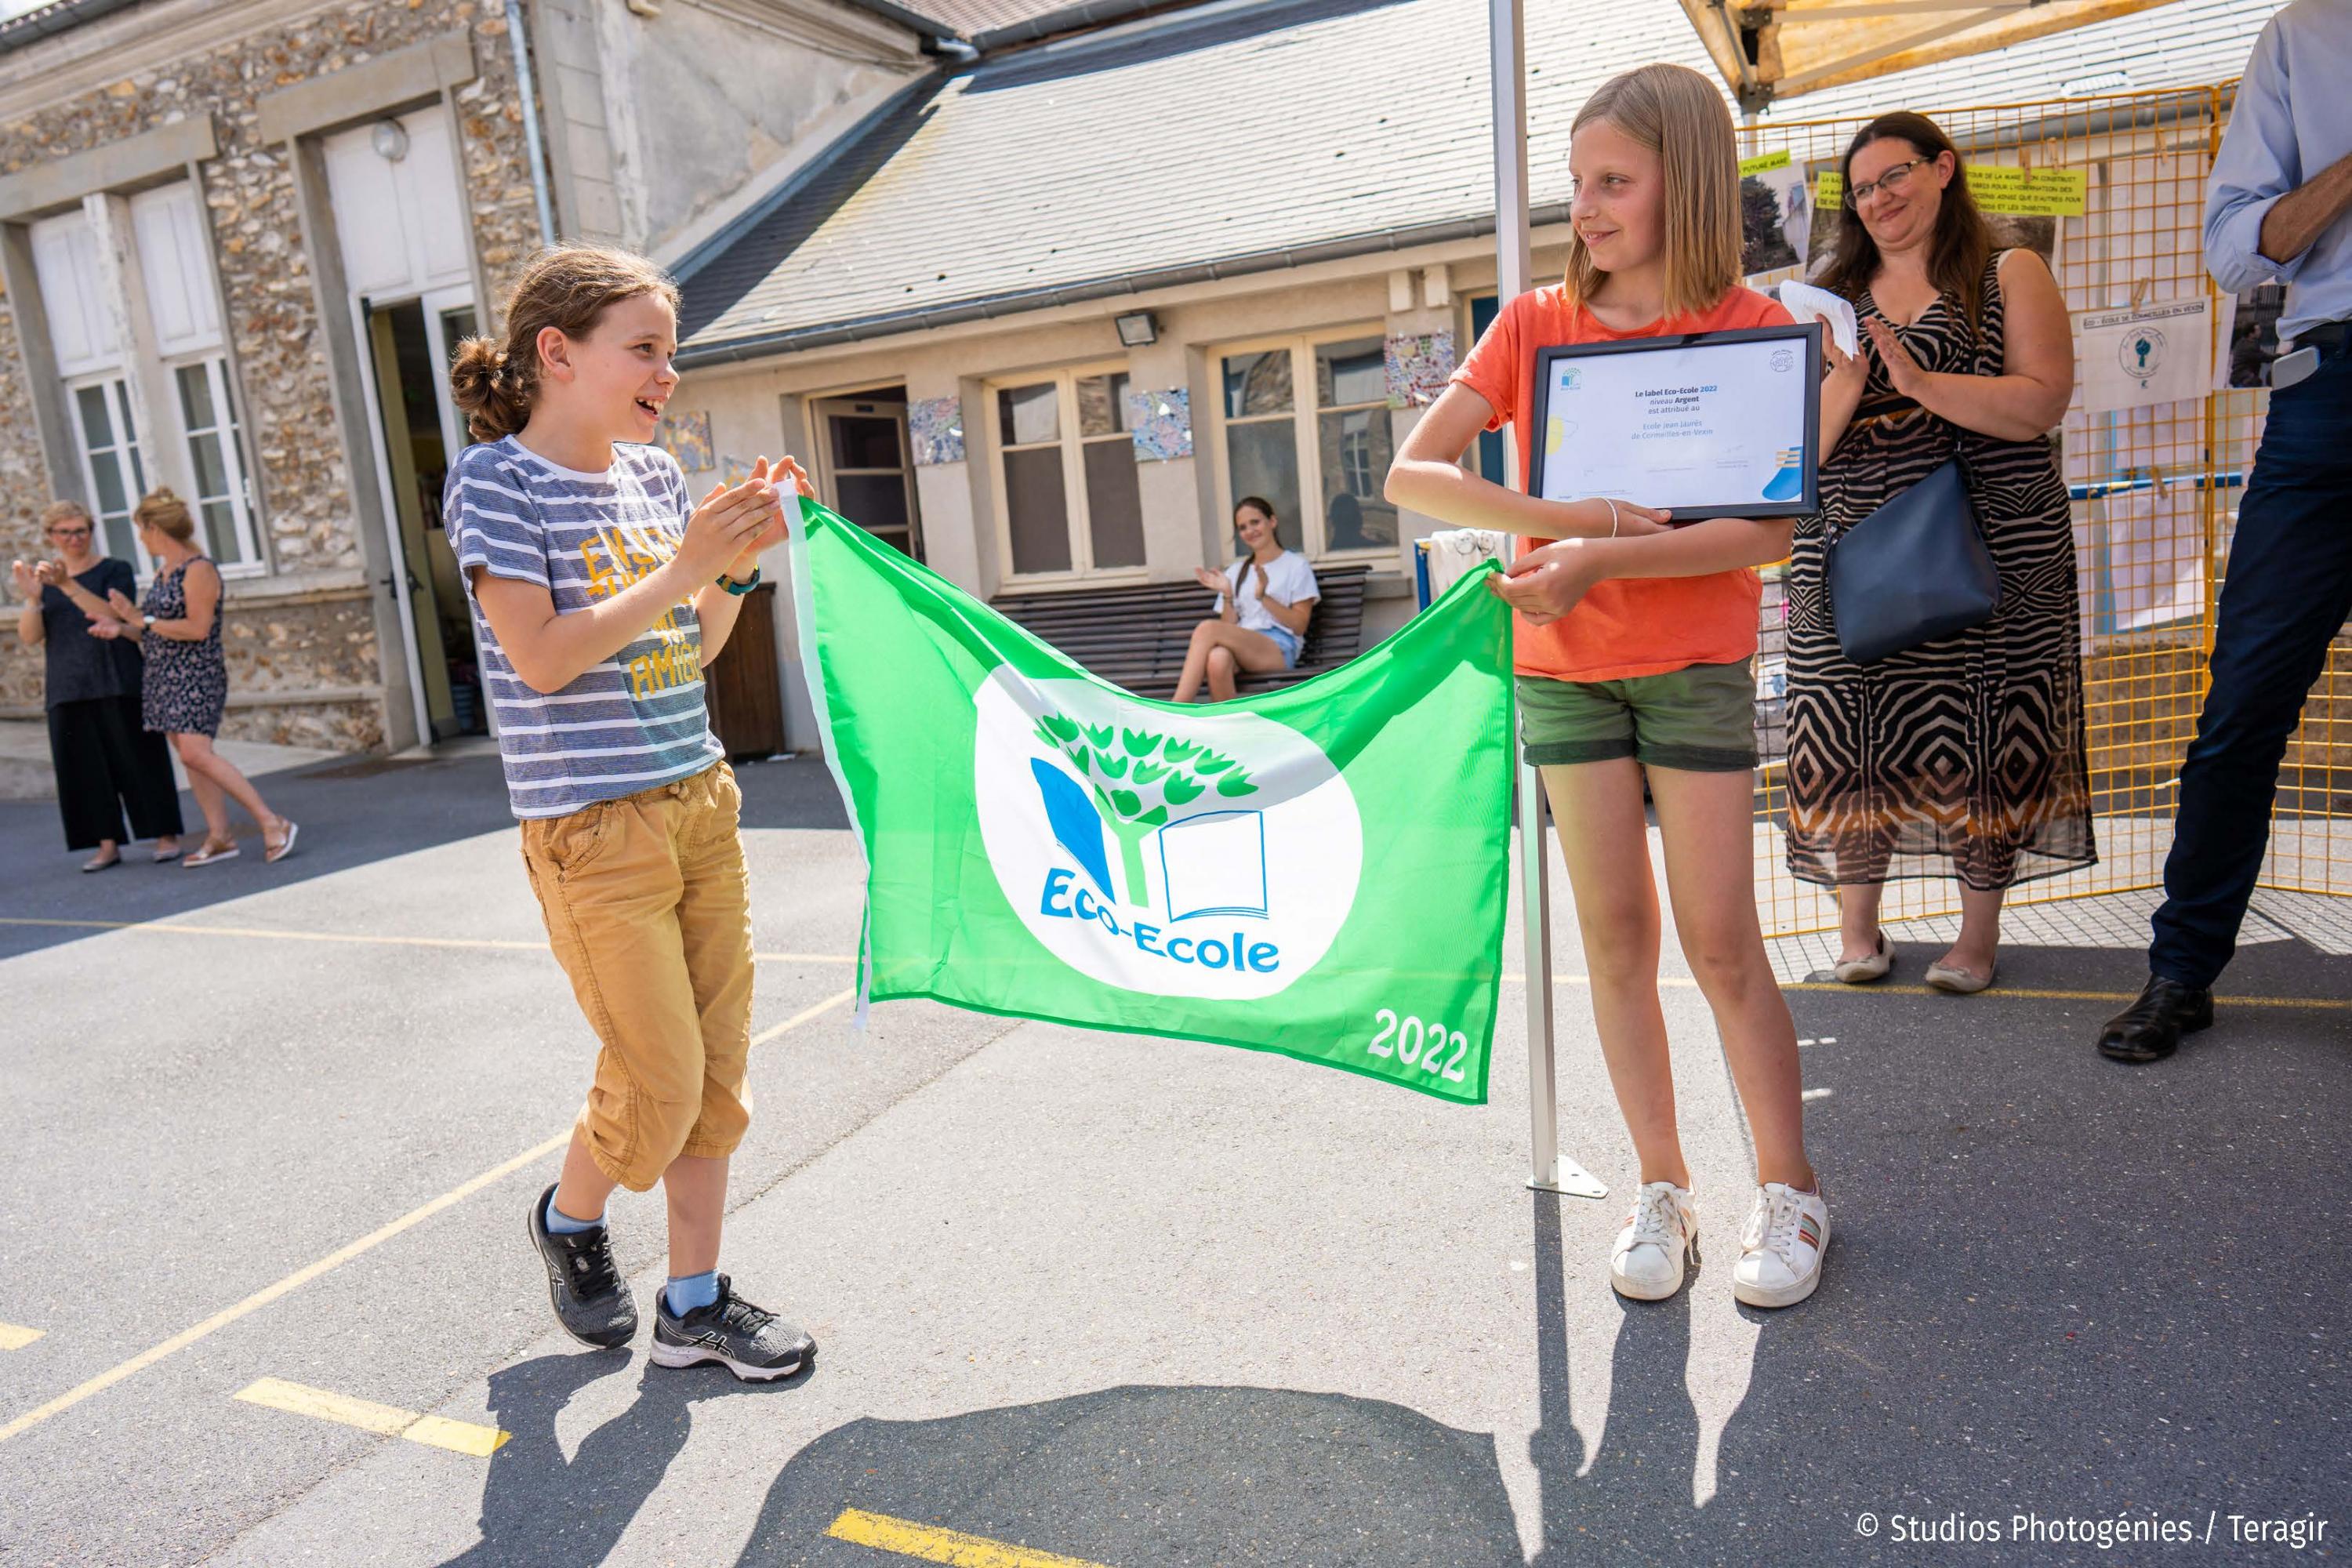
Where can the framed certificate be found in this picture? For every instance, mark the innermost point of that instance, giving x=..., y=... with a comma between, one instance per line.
x=1706, y=424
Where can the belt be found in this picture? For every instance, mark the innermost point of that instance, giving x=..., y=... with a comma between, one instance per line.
x=2328, y=337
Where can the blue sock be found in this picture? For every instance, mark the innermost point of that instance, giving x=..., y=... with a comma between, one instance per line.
x=561, y=1224
x=693, y=1291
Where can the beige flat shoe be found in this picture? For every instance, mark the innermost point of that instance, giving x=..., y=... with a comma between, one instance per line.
x=1959, y=982
x=1862, y=970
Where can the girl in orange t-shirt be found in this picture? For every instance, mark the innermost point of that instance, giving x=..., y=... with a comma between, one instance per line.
x=1632, y=648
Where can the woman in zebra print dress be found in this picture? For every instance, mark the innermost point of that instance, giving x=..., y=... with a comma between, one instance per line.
x=1963, y=757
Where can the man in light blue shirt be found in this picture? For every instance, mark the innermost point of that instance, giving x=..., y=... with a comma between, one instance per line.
x=2278, y=205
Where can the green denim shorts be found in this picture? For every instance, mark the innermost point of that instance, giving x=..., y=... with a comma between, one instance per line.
x=1701, y=719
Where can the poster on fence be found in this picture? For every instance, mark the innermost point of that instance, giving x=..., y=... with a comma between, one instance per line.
x=2156, y=556
x=2142, y=355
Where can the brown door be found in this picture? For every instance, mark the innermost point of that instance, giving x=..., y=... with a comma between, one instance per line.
x=867, y=476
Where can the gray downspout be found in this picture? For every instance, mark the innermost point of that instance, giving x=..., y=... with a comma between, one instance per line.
x=520, y=43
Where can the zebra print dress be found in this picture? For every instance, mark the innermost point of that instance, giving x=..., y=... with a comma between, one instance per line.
x=1963, y=757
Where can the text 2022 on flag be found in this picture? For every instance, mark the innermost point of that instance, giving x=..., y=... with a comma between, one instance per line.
x=1319, y=871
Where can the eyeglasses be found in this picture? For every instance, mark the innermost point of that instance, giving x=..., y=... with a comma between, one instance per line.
x=68, y=533
x=1892, y=183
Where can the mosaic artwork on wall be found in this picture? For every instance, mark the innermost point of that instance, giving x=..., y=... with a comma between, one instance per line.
x=687, y=437
x=1419, y=368
x=935, y=430
x=1161, y=422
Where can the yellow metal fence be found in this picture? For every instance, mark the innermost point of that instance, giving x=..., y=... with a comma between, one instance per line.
x=2155, y=490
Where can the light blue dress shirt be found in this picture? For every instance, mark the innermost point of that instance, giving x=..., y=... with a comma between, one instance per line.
x=2292, y=119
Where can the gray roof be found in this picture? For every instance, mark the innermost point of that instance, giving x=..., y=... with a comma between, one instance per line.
x=1233, y=138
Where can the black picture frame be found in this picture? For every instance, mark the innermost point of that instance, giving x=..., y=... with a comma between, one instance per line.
x=1806, y=335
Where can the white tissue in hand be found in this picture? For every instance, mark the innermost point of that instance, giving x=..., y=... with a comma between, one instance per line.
x=1808, y=303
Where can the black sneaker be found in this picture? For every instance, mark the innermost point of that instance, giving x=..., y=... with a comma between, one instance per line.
x=754, y=1345
x=592, y=1300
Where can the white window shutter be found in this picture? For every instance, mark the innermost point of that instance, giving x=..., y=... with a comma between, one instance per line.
x=81, y=328
x=171, y=234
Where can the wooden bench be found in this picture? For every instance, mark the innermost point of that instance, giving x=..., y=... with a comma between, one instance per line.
x=1136, y=635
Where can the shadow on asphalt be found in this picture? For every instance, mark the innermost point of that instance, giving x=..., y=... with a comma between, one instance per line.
x=355, y=812
x=539, y=1507
x=2059, y=1288
x=1136, y=1475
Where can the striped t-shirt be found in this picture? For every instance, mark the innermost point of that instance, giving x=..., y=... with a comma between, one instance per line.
x=634, y=721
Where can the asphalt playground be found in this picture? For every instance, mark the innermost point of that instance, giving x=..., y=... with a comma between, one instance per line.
x=1084, y=1298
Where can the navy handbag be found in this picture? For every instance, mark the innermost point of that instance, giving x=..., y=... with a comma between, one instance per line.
x=1915, y=570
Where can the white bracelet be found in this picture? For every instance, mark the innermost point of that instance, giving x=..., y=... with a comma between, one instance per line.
x=1612, y=517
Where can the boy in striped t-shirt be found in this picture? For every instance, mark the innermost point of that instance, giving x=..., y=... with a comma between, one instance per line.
x=600, y=592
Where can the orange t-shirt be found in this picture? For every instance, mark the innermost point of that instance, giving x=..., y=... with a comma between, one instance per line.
x=1628, y=626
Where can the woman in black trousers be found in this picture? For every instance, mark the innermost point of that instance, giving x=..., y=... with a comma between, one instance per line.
x=107, y=761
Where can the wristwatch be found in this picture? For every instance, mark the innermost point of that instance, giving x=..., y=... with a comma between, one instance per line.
x=146, y=623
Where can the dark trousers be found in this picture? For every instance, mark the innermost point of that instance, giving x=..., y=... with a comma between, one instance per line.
x=2288, y=591
x=107, y=761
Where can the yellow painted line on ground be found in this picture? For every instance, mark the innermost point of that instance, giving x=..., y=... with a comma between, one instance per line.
x=434, y=1431
x=1682, y=981
x=1678, y=981
x=803, y=1015
x=930, y=1544
x=2316, y=1003
x=303, y=1276
x=181, y=928
x=13, y=1338
x=269, y=1293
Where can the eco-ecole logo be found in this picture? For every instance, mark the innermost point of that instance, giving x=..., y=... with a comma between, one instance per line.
x=1214, y=856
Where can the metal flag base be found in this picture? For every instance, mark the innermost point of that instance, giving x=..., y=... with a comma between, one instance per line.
x=1572, y=1180
x=1550, y=1170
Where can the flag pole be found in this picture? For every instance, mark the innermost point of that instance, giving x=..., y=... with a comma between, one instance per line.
x=1550, y=1171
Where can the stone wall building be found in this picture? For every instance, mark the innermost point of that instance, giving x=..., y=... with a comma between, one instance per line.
x=236, y=236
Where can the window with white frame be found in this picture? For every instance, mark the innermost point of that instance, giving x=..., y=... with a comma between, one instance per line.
x=113, y=472
x=123, y=399
x=1068, y=501
x=89, y=354
x=1322, y=459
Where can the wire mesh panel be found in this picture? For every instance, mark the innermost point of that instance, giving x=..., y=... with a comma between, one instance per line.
x=2170, y=390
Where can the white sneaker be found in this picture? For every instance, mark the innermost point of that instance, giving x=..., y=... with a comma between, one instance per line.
x=1646, y=1264
x=1780, y=1247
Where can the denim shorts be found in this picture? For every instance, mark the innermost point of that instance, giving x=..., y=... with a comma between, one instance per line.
x=1287, y=640
x=1701, y=719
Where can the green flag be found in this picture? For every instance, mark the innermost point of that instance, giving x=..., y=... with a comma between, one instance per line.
x=1319, y=870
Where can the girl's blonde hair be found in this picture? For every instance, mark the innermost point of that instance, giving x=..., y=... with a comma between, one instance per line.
x=1676, y=113
x=58, y=511
x=165, y=514
x=569, y=288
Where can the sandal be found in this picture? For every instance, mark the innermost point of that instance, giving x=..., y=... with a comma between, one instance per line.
x=1862, y=970
x=212, y=849
x=165, y=857
x=95, y=864
x=274, y=853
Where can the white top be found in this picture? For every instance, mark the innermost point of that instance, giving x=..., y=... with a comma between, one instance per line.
x=1289, y=582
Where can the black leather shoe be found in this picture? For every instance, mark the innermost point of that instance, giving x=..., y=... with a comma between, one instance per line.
x=2149, y=1029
